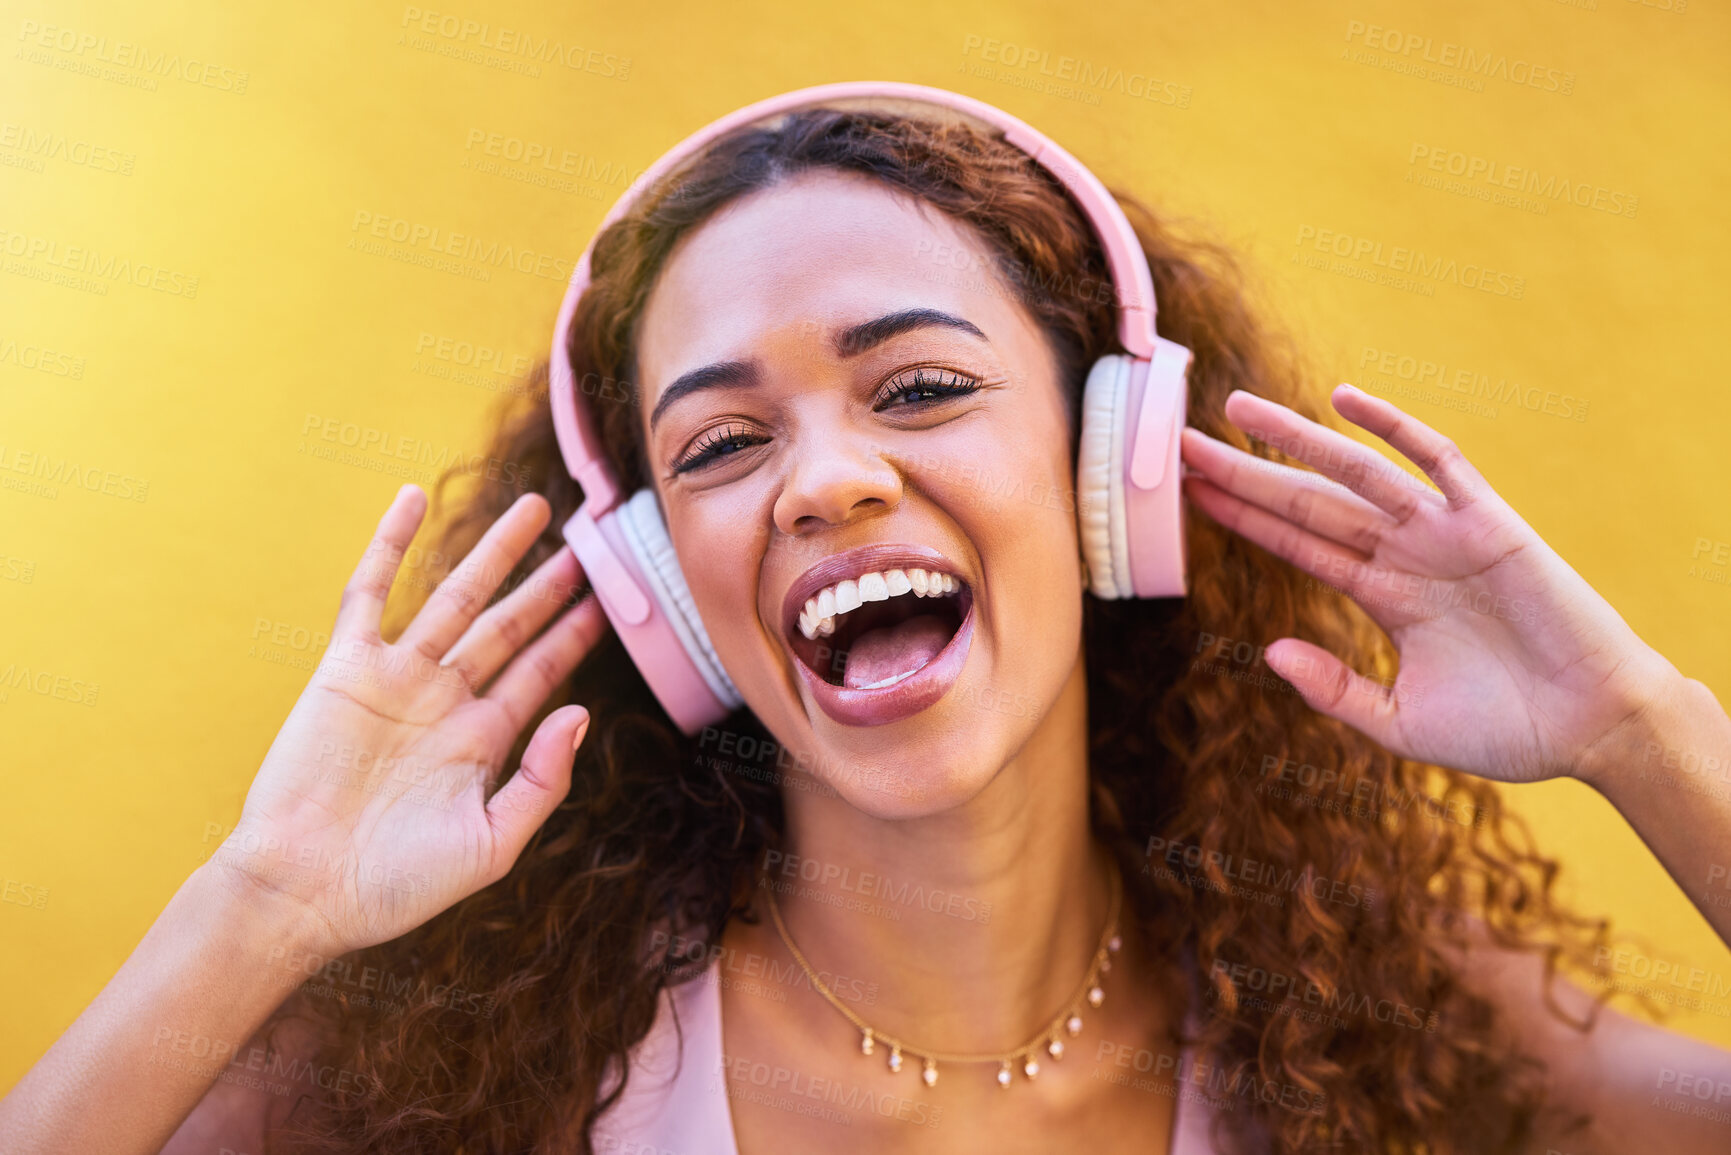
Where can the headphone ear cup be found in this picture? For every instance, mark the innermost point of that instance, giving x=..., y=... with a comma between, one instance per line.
x=1100, y=479
x=641, y=525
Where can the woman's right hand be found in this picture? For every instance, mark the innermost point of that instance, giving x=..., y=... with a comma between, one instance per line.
x=370, y=813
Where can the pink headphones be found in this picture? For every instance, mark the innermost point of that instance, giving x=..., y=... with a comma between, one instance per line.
x=1129, y=508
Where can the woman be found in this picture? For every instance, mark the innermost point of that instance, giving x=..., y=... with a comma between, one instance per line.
x=1278, y=921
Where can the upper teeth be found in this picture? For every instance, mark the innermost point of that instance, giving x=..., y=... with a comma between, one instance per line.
x=818, y=617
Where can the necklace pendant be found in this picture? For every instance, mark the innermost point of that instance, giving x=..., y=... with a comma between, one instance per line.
x=865, y=1044
x=929, y=1073
x=1096, y=996
x=1004, y=1074
x=895, y=1059
x=1055, y=1048
x=1031, y=1067
x=1073, y=1024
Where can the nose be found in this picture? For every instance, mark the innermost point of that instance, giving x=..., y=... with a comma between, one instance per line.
x=834, y=477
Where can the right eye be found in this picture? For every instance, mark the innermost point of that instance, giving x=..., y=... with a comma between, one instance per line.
x=719, y=442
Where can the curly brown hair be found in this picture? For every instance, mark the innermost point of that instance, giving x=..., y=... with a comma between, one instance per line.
x=561, y=963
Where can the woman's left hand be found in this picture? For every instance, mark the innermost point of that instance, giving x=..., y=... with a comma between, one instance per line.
x=1511, y=666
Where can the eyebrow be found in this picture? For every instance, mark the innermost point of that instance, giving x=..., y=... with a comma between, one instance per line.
x=850, y=342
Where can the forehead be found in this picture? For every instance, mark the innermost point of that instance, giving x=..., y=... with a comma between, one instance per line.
x=823, y=248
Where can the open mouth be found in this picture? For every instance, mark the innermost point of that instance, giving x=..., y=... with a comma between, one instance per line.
x=882, y=628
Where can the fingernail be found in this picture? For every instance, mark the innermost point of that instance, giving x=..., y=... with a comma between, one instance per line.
x=582, y=729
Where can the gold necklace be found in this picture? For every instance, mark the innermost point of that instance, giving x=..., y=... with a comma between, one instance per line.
x=1069, y=1020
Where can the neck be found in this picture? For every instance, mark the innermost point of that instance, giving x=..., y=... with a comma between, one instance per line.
x=974, y=926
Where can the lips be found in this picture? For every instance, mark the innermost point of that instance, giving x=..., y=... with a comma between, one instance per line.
x=907, y=694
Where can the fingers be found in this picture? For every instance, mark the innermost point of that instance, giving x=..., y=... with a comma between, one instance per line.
x=502, y=629
x=1329, y=686
x=1439, y=458
x=1360, y=468
x=519, y=807
x=1301, y=497
x=464, y=592
x=548, y=661
x=363, y=601
x=1311, y=553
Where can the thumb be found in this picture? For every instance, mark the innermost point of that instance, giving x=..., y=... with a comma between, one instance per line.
x=1329, y=686
x=519, y=807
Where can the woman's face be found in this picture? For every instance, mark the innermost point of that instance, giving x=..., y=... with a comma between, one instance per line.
x=826, y=395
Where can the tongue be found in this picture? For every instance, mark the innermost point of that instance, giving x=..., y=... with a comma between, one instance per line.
x=898, y=649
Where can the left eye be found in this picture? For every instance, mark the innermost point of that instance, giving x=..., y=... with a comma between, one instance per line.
x=721, y=443
x=933, y=384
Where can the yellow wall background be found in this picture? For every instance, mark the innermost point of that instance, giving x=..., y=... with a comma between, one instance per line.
x=205, y=525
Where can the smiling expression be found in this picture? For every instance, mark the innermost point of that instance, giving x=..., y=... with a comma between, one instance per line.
x=823, y=402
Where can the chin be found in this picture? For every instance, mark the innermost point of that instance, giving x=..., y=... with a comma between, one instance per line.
x=941, y=761
x=934, y=760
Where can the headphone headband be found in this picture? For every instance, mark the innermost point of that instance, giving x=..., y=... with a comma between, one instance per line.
x=1133, y=283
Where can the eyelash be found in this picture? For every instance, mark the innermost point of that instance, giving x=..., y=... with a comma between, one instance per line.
x=705, y=450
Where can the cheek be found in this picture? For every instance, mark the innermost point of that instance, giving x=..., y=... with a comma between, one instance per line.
x=1015, y=487
x=1019, y=512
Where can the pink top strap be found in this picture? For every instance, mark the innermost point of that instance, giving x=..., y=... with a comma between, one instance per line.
x=1132, y=280
x=676, y=1100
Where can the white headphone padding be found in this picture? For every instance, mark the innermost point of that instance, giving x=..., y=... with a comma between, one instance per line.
x=1100, y=478
x=640, y=523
